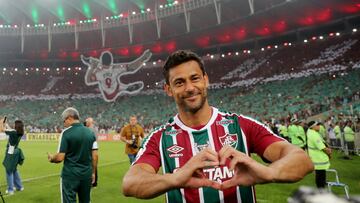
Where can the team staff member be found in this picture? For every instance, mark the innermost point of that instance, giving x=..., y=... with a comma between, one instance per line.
x=90, y=123
x=132, y=134
x=78, y=150
x=318, y=153
x=204, y=152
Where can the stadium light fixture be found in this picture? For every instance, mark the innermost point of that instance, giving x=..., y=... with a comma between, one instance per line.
x=354, y=30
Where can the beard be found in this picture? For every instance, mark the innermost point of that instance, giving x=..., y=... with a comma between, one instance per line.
x=194, y=106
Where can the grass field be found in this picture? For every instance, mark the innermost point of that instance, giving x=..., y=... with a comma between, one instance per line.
x=41, y=179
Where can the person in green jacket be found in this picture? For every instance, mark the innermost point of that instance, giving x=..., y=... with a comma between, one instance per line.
x=337, y=132
x=296, y=133
x=13, y=157
x=349, y=135
x=318, y=152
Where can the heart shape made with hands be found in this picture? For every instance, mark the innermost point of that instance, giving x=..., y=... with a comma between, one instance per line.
x=209, y=168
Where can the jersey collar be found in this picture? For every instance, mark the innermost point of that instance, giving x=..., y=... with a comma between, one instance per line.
x=184, y=127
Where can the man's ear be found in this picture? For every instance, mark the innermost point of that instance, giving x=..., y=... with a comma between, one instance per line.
x=167, y=89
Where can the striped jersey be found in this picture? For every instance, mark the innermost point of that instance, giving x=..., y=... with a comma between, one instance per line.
x=174, y=143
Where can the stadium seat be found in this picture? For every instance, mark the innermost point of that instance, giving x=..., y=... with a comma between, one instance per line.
x=337, y=183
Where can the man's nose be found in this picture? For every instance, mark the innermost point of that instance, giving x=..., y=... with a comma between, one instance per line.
x=189, y=86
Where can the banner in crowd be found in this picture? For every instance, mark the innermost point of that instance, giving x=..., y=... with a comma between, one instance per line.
x=43, y=136
x=106, y=74
x=56, y=137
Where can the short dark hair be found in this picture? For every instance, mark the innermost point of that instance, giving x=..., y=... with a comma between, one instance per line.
x=19, y=127
x=179, y=57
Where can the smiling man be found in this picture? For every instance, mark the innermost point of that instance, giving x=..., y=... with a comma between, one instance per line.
x=204, y=152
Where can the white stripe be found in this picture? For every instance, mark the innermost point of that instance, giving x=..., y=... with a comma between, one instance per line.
x=143, y=149
x=192, y=143
x=245, y=142
x=238, y=196
x=253, y=193
x=61, y=195
x=61, y=136
x=212, y=144
x=186, y=128
x=177, y=165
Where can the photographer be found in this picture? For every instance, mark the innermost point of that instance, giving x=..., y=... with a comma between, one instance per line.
x=132, y=135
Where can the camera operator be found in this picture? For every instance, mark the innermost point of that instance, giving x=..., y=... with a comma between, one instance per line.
x=132, y=135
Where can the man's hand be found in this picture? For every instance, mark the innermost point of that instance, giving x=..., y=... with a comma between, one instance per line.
x=130, y=142
x=50, y=157
x=191, y=174
x=246, y=170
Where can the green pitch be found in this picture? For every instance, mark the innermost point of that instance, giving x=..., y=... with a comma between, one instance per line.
x=41, y=179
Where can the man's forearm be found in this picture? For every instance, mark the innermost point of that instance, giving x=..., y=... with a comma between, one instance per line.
x=139, y=182
x=95, y=158
x=292, y=165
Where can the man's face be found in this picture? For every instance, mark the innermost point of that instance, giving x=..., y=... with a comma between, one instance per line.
x=188, y=86
x=133, y=120
x=67, y=122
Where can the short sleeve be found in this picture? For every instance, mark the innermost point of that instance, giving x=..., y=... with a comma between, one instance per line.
x=149, y=152
x=258, y=136
x=63, y=144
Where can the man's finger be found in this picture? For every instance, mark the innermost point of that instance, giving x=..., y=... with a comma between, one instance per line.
x=228, y=184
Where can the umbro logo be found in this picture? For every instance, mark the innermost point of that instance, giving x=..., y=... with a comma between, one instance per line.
x=174, y=151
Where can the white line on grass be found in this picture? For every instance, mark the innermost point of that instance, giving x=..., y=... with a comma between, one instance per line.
x=58, y=174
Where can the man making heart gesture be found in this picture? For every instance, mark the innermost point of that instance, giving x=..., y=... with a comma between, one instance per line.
x=204, y=152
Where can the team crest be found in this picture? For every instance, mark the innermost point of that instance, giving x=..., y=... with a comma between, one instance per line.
x=229, y=139
x=107, y=74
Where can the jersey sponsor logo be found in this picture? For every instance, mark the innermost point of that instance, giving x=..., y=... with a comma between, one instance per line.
x=224, y=122
x=106, y=74
x=173, y=132
x=218, y=174
x=229, y=139
x=174, y=151
x=200, y=147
